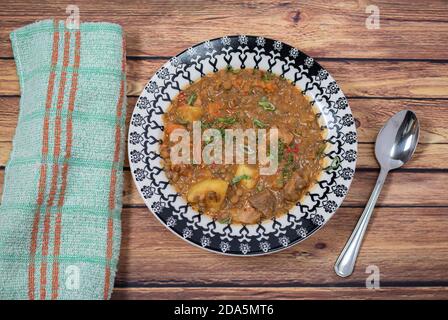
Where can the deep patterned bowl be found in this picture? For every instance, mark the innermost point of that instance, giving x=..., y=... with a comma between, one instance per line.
x=325, y=96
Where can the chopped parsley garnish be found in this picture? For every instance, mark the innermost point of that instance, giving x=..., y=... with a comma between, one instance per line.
x=266, y=105
x=226, y=220
x=226, y=120
x=237, y=179
x=267, y=76
x=234, y=71
x=192, y=98
x=335, y=163
x=281, y=149
x=260, y=124
x=321, y=150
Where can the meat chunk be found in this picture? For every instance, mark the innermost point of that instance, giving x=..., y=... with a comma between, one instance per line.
x=293, y=187
x=246, y=215
x=264, y=201
x=285, y=135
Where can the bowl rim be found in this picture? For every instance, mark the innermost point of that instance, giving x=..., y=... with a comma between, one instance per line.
x=270, y=251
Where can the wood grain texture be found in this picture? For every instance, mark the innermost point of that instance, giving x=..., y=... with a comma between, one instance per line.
x=370, y=115
x=427, y=156
x=320, y=28
x=403, y=242
x=366, y=78
x=402, y=65
x=431, y=156
x=251, y=293
x=422, y=189
x=402, y=188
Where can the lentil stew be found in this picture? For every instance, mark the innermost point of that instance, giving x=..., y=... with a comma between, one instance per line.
x=241, y=99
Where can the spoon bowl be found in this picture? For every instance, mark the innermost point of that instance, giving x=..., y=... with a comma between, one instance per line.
x=397, y=140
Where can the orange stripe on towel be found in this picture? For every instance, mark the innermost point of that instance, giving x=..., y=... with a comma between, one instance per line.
x=55, y=172
x=43, y=167
x=68, y=150
x=113, y=178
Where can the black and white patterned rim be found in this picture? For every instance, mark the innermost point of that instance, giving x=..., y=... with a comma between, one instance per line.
x=333, y=113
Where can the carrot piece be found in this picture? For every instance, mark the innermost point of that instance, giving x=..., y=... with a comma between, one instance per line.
x=170, y=127
x=269, y=86
x=238, y=83
x=214, y=109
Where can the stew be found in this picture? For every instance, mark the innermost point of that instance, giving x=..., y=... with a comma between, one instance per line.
x=240, y=99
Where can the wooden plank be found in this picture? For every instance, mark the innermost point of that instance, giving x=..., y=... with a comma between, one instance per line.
x=370, y=115
x=397, y=242
x=389, y=79
x=9, y=81
x=9, y=110
x=427, y=156
x=402, y=188
x=273, y=293
x=5, y=151
x=366, y=78
x=403, y=242
x=320, y=28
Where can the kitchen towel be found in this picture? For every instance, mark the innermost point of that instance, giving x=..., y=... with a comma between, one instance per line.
x=60, y=225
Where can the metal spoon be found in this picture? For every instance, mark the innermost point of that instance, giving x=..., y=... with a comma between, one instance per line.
x=395, y=144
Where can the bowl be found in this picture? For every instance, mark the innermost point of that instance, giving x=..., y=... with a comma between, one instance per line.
x=239, y=52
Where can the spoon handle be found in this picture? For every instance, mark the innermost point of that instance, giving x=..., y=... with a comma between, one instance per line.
x=346, y=262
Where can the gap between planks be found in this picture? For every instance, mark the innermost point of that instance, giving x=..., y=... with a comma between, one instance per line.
x=359, y=78
x=250, y=293
x=370, y=115
x=396, y=243
x=321, y=30
x=402, y=189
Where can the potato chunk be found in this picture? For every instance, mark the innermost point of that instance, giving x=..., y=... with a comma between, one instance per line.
x=211, y=192
x=189, y=114
x=251, y=172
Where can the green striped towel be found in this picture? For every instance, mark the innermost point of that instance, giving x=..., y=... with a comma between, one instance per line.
x=60, y=211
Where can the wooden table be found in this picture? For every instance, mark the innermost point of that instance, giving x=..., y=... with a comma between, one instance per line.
x=404, y=64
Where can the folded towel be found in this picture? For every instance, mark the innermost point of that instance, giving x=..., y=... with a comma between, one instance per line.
x=60, y=212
